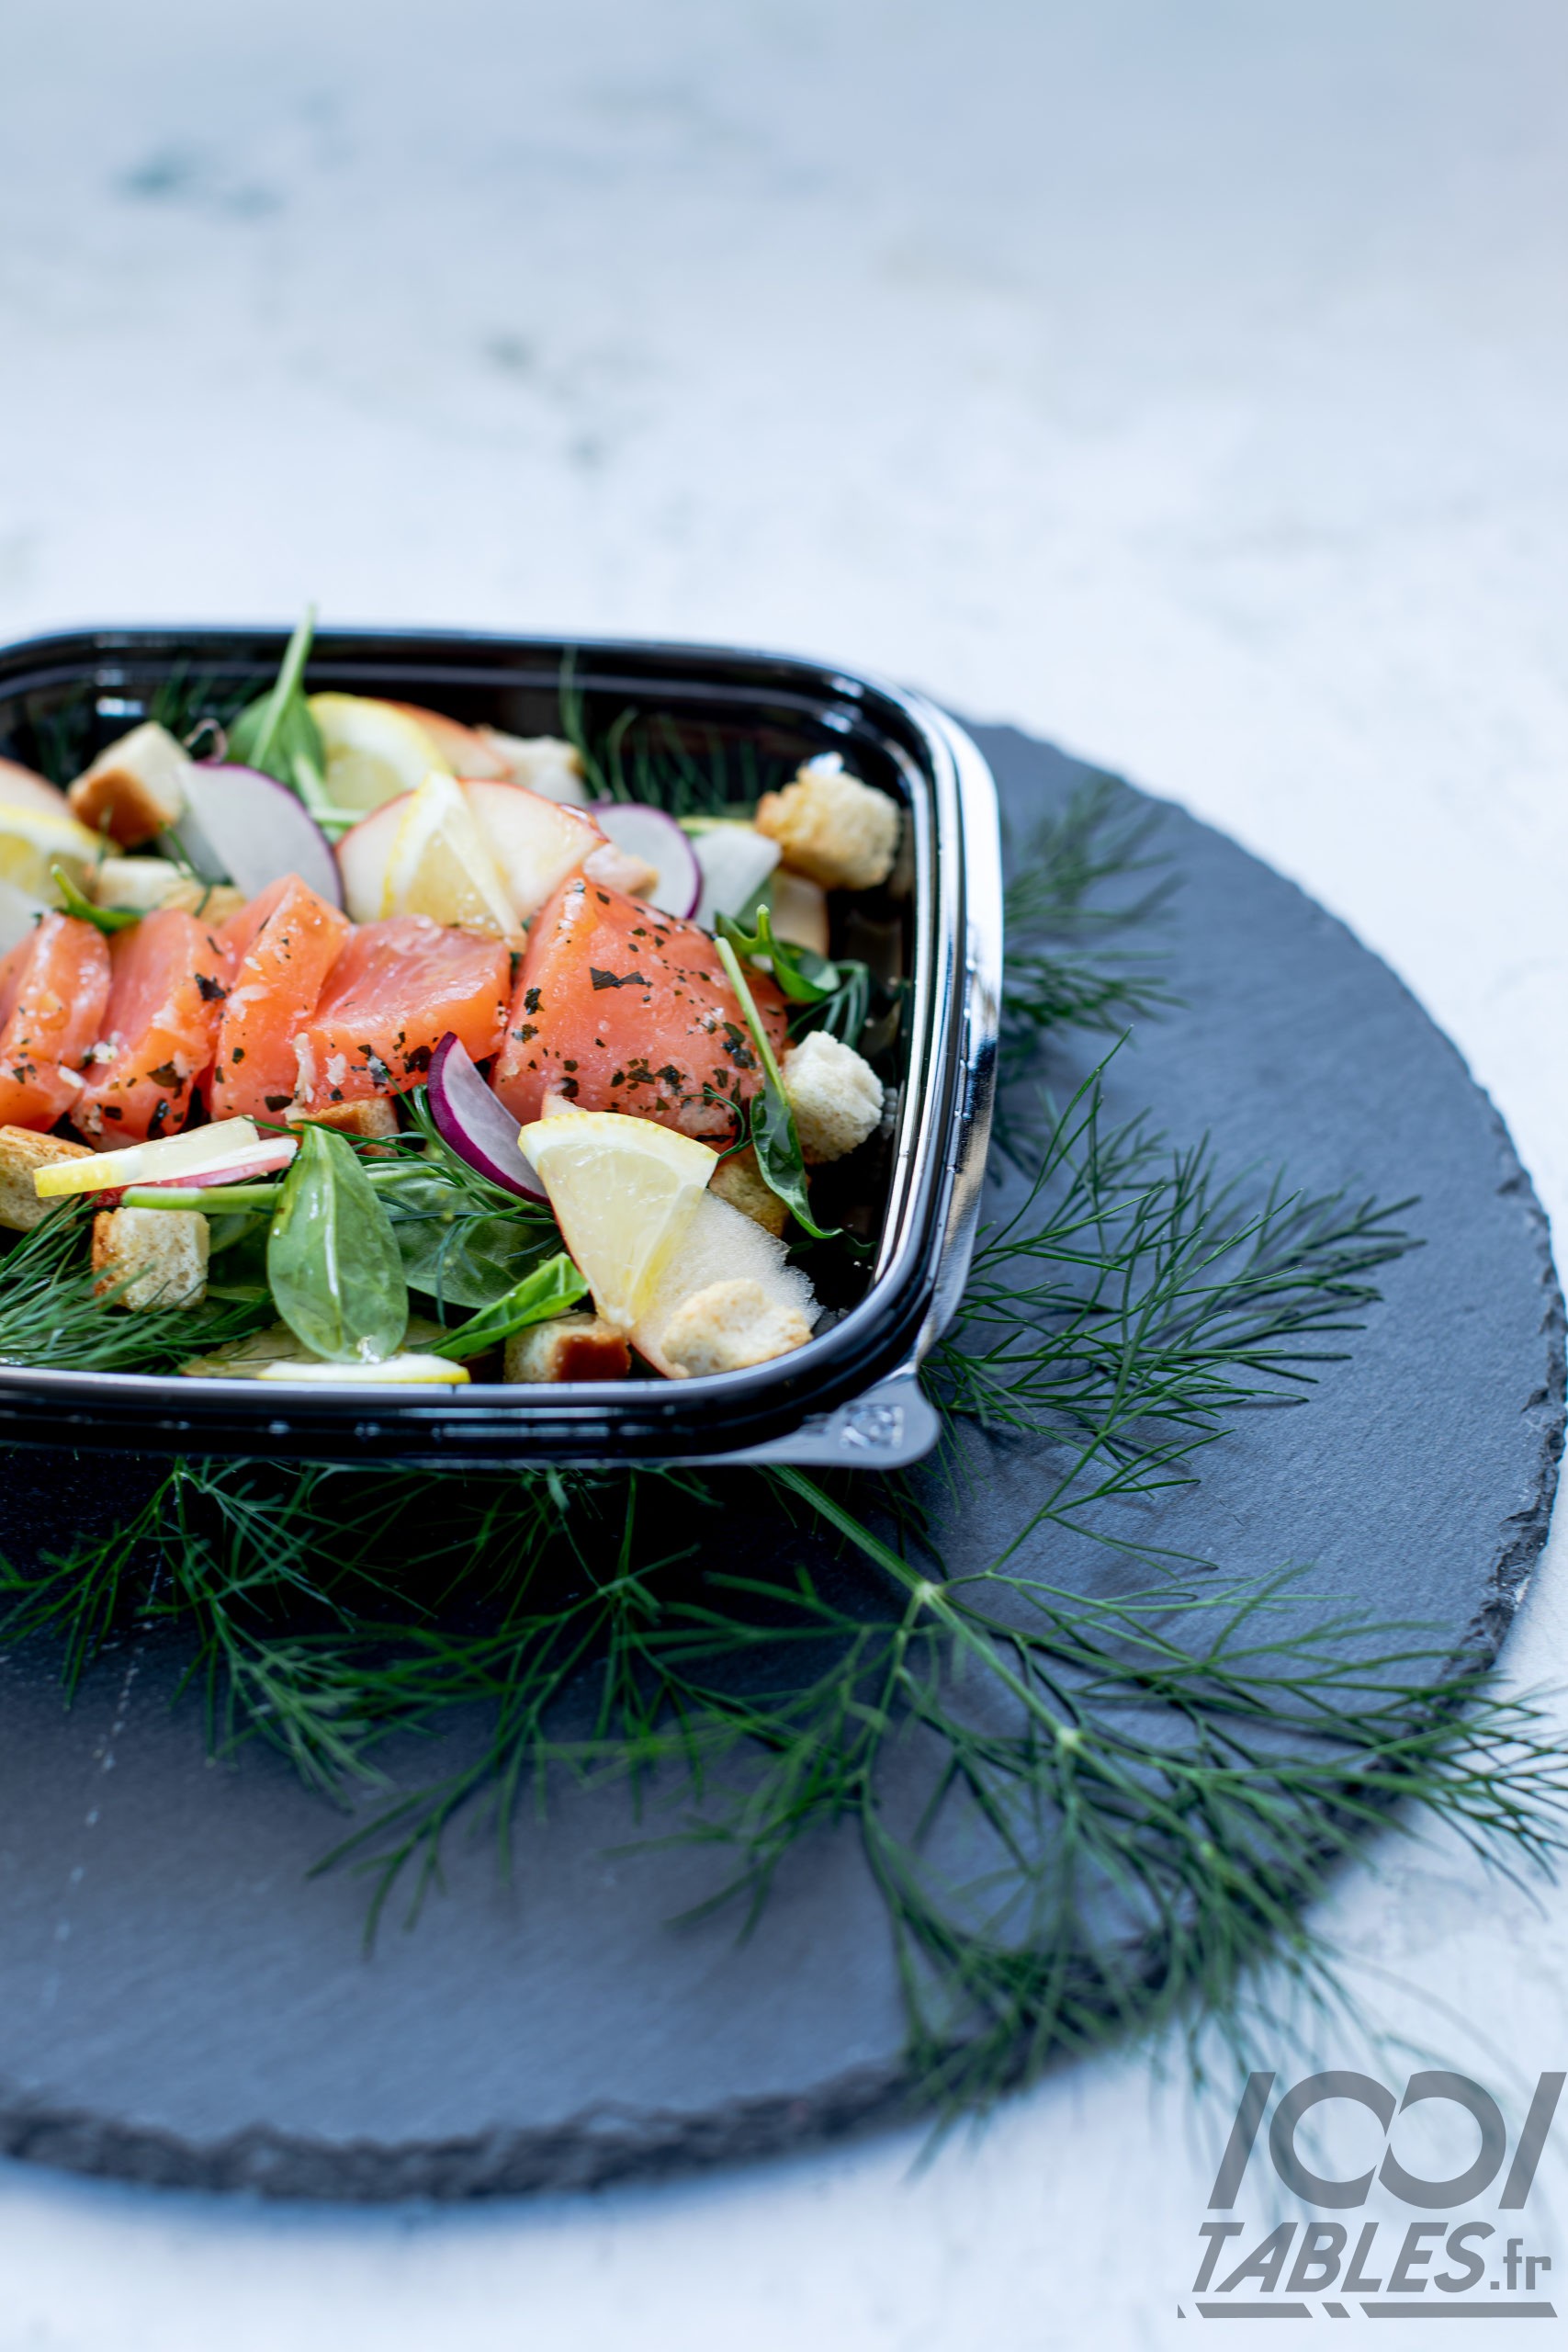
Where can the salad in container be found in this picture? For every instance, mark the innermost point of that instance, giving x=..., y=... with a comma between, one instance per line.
x=483, y=1049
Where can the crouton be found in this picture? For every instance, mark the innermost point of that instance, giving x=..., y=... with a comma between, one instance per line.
x=835, y=1094
x=134, y=789
x=739, y=1180
x=799, y=912
x=376, y=1116
x=540, y=763
x=832, y=828
x=21, y=1155
x=147, y=884
x=729, y=1326
x=721, y=1245
x=159, y=1254
x=570, y=1347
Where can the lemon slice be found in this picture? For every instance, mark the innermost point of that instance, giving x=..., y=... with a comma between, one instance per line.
x=394, y=1372
x=374, y=751
x=624, y=1192
x=31, y=839
x=186, y=1154
x=441, y=865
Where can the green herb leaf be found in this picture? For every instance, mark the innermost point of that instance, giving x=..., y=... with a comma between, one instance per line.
x=108, y=920
x=331, y=1259
x=548, y=1291
x=277, y=734
x=837, y=995
x=780, y=1160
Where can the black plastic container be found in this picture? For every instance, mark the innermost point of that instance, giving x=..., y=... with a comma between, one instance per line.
x=852, y=1394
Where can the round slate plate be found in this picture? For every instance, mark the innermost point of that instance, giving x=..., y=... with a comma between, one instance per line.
x=179, y=2002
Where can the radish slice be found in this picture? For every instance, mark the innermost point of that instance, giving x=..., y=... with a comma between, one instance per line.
x=184, y=1159
x=736, y=860
x=468, y=1118
x=253, y=829
x=658, y=840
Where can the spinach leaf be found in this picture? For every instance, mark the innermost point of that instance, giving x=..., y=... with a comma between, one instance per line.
x=548, y=1291
x=454, y=1249
x=332, y=1261
x=277, y=734
x=778, y=1159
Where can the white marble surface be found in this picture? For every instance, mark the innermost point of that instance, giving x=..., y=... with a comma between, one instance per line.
x=1187, y=383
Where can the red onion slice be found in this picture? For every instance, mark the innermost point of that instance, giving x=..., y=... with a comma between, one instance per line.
x=253, y=829
x=468, y=1118
x=658, y=840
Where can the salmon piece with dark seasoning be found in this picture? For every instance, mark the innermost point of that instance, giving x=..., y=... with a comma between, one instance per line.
x=282, y=947
x=169, y=978
x=392, y=995
x=621, y=1007
x=54, y=988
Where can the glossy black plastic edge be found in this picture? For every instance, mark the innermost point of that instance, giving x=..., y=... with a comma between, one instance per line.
x=618, y=1422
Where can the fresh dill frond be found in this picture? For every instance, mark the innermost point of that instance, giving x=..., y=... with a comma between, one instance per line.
x=54, y=1314
x=1123, y=1803
x=1064, y=965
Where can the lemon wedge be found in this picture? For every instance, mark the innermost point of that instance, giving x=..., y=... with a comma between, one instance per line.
x=624, y=1192
x=31, y=839
x=441, y=865
x=374, y=751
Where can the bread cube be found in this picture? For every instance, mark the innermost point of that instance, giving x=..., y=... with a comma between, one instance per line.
x=159, y=1254
x=832, y=828
x=376, y=1116
x=148, y=884
x=540, y=763
x=835, y=1094
x=134, y=789
x=739, y=1180
x=22, y=1154
x=728, y=1327
x=569, y=1347
x=799, y=911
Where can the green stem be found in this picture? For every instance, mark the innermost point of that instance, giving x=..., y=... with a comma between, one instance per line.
x=290, y=672
x=731, y=962
x=221, y=1199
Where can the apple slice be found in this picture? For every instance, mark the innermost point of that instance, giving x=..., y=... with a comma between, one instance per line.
x=23, y=790
x=534, y=843
x=465, y=749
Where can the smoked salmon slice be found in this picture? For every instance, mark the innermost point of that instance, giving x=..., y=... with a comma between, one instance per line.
x=169, y=976
x=54, y=991
x=624, y=1008
x=390, y=998
x=282, y=946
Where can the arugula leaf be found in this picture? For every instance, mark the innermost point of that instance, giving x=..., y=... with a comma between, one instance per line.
x=838, y=994
x=277, y=734
x=548, y=1291
x=780, y=1160
x=108, y=920
x=332, y=1260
